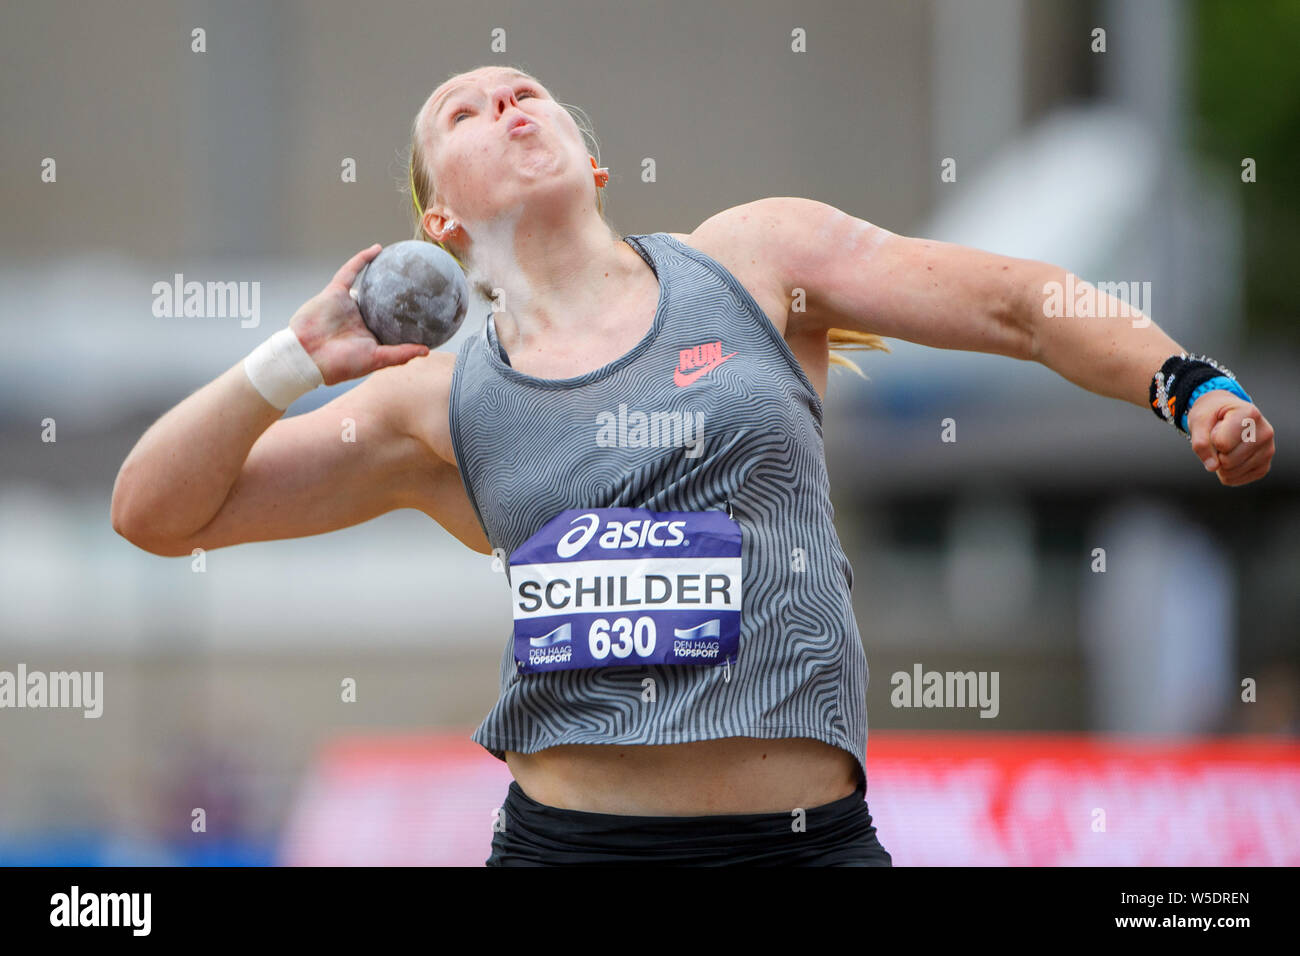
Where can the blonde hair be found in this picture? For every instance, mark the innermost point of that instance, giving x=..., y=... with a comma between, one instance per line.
x=423, y=188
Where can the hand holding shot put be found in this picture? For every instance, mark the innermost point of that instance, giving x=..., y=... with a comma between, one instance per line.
x=408, y=298
x=331, y=330
x=412, y=292
x=242, y=462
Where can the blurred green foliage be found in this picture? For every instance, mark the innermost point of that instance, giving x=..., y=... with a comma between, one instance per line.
x=1246, y=68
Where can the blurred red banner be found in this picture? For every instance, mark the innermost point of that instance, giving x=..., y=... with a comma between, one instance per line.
x=936, y=799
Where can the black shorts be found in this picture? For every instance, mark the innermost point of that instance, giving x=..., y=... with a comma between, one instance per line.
x=835, y=834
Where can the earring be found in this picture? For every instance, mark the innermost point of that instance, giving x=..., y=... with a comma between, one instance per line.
x=602, y=173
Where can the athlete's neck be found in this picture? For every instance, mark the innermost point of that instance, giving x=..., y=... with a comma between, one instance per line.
x=552, y=279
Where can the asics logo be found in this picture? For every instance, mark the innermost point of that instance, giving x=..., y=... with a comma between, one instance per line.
x=576, y=539
x=697, y=361
x=619, y=534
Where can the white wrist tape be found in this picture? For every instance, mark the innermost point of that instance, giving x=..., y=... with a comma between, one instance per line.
x=281, y=370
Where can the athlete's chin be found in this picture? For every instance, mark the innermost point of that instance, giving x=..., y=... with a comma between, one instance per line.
x=548, y=185
x=542, y=166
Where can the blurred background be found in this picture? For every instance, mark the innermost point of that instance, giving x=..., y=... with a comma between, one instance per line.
x=130, y=157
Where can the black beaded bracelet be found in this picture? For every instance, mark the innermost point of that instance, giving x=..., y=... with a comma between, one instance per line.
x=1173, y=387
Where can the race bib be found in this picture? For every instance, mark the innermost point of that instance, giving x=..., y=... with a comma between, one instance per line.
x=625, y=587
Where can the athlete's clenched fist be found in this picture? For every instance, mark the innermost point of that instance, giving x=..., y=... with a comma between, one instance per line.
x=1231, y=437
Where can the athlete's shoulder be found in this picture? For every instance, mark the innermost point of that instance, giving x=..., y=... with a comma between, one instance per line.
x=431, y=372
x=752, y=232
x=746, y=240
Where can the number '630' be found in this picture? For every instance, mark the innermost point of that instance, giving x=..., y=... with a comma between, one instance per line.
x=622, y=637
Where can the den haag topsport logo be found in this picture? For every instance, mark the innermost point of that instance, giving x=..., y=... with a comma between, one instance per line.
x=626, y=586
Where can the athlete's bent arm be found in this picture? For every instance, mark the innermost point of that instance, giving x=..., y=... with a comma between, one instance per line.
x=300, y=477
x=858, y=276
x=220, y=469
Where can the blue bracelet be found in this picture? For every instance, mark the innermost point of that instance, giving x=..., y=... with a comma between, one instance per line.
x=1218, y=383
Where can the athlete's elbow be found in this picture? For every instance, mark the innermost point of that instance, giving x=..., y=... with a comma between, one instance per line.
x=1021, y=314
x=137, y=529
x=123, y=516
x=138, y=534
x=139, y=516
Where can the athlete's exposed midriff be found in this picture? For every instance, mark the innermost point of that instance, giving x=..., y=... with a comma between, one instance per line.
x=730, y=775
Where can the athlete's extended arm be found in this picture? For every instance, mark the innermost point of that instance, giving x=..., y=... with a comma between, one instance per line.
x=858, y=276
x=221, y=469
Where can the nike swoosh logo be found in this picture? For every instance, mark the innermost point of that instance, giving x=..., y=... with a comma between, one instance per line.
x=682, y=379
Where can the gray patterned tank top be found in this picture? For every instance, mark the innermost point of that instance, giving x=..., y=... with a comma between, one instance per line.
x=709, y=412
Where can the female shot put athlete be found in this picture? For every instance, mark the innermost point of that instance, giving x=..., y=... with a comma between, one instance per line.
x=637, y=427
